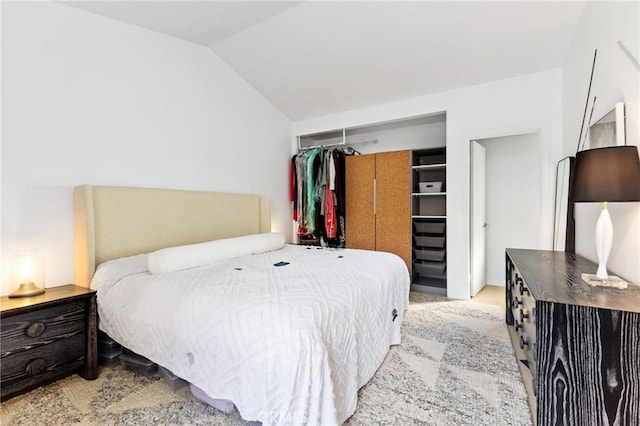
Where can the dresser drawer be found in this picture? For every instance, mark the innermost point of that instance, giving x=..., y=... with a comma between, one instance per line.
x=45, y=326
x=27, y=369
x=528, y=341
x=522, y=306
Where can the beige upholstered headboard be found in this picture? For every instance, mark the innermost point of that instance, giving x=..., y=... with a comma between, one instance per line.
x=112, y=222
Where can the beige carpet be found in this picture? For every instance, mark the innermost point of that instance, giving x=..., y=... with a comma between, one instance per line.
x=455, y=366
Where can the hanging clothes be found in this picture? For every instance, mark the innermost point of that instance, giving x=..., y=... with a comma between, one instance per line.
x=311, y=185
x=316, y=189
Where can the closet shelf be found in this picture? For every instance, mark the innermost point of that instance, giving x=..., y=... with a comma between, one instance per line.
x=429, y=167
x=427, y=194
x=429, y=216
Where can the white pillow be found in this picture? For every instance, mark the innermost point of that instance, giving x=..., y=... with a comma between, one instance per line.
x=190, y=256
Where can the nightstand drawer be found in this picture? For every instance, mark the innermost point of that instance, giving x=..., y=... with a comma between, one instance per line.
x=38, y=365
x=45, y=326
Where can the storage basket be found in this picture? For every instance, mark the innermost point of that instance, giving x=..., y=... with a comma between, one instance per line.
x=108, y=351
x=430, y=269
x=137, y=363
x=430, y=187
x=429, y=227
x=437, y=242
x=432, y=255
x=174, y=382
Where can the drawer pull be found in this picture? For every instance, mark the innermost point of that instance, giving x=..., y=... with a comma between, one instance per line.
x=523, y=289
x=518, y=325
x=517, y=302
x=523, y=315
x=35, y=367
x=35, y=329
x=523, y=342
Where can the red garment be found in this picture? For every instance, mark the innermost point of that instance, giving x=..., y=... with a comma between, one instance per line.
x=330, y=222
x=293, y=187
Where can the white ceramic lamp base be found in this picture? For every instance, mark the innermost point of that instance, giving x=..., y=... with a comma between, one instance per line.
x=604, y=240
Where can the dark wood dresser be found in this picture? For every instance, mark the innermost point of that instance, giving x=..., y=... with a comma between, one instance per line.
x=47, y=337
x=581, y=343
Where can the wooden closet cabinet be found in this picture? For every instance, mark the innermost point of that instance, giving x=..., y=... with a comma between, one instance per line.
x=378, y=203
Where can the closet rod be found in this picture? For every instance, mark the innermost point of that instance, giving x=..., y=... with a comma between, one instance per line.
x=306, y=148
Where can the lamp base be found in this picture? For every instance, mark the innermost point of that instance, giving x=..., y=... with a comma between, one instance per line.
x=610, y=281
x=27, y=289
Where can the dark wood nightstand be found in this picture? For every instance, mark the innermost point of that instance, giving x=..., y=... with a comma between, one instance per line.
x=47, y=337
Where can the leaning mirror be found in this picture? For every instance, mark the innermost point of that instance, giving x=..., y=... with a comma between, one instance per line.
x=608, y=130
x=563, y=222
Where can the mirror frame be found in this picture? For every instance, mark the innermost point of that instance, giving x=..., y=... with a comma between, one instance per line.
x=608, y=130
x=564, y=226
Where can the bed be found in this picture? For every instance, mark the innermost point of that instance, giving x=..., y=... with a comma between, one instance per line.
x=288, y=335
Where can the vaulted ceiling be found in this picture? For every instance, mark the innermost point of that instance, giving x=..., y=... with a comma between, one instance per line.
x=320, y=57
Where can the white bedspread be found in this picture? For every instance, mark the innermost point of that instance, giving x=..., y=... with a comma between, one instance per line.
x=287, y=344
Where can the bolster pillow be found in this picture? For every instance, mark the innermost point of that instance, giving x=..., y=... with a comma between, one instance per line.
x=192, y=255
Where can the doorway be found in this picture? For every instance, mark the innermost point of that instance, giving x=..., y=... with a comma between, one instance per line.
x=505, y=203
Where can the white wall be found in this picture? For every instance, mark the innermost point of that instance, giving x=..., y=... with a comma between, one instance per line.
x=429, y=132
x=87, y=99
x=526, y=104
x=616, y=78
x=513, y=199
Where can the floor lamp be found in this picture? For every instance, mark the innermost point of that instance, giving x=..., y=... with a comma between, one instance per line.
x=606, y=175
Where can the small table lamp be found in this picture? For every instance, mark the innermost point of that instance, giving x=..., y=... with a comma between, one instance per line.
x=606, y=175
x=28, y=272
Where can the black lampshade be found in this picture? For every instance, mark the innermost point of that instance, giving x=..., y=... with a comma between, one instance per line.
x=607, y=174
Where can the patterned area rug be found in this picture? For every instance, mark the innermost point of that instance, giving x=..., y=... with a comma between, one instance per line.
x=455, y=366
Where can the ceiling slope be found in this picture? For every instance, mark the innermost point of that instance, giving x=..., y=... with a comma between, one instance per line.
x=320, y=58
x=202, y=22
x=316, y=58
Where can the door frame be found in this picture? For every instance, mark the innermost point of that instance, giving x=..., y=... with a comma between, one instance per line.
x=547, y=181
x=476, y=271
